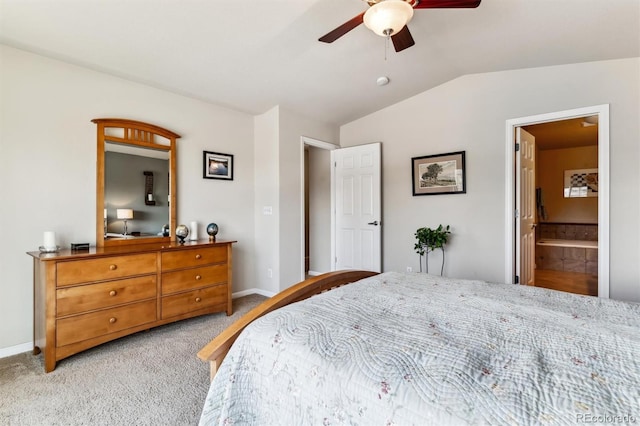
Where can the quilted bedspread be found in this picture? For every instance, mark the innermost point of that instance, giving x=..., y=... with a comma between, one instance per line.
x=417, y=349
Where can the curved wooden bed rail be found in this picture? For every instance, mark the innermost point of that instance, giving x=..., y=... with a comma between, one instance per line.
x=215, y=351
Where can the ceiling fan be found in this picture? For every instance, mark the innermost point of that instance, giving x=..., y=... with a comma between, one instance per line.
x=389, y=18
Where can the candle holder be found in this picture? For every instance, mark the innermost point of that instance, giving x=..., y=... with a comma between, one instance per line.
x=44, y=249
x=193, y=231
x=49, y=245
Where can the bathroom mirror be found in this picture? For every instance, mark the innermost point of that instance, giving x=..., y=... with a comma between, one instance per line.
x=136, y=183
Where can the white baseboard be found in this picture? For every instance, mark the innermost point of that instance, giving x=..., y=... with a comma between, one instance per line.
x=253, y=291
x=26, y=347
x=314, y=273
x=15, y=350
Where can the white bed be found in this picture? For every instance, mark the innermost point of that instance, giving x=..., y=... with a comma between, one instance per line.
x=417, y=349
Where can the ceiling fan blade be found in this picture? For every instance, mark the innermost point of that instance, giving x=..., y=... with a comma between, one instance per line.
x=446, y=4
x=402, y=40
x=332, y=36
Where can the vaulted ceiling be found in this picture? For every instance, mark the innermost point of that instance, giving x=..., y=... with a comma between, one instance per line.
x=251, y=55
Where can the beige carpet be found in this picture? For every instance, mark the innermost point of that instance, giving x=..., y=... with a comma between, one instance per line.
x=149, y=378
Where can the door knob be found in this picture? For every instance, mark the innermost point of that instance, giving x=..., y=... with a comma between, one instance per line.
x=374, y=223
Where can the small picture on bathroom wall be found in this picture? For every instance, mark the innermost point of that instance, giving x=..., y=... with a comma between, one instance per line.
x=580, y=183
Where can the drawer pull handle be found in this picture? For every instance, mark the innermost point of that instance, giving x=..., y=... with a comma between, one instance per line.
x=198, y=277
x=113, y=293
x=112, y=320
x=198, y=299
x=198, y=256
x=113, y=267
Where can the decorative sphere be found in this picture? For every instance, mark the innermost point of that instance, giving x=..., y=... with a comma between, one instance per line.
x=212, y=229
x=182, y=232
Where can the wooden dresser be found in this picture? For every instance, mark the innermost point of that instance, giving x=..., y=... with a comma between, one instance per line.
x=83, y=299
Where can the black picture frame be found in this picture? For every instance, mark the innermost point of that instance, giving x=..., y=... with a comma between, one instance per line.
x=439, y=174
x=217, y=165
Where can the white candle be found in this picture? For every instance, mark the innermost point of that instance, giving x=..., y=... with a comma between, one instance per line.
x=50, y=240
x=193, y=232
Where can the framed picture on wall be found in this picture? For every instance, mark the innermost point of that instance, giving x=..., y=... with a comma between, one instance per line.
x=580, y=183
x=439, y=174
x=217, y=166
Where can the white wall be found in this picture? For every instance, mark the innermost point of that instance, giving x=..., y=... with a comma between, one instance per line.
x=48, y=167
x=292, y=126
x=278, y=185
x=267, y=227
x=469, y=114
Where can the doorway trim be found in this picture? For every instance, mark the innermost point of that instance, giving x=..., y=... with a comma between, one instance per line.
x=602, y=111
x=304, y=140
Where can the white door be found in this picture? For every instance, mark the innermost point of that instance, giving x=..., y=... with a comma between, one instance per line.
x=358, y=208
x=526, y=206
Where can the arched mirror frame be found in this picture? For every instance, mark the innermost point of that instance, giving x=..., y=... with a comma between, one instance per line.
x=142, y=135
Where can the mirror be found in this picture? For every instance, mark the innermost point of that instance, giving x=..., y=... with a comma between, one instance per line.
x=136, y=181
x=126, y=171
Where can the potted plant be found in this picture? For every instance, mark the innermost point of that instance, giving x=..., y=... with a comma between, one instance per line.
x=429, y=240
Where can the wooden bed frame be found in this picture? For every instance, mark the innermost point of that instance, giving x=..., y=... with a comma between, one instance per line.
x=217, y=349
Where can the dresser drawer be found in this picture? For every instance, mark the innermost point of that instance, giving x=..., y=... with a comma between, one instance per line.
x=194, y=300
x=94, y=324
x=105, y=268
x=188, y=279
x=73, y=300
x=193, y=257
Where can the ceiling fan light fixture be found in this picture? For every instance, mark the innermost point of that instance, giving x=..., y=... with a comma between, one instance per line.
x=388, y=17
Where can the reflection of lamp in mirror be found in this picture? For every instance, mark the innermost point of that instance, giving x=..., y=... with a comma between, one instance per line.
x=105, y=223
x=124, y=214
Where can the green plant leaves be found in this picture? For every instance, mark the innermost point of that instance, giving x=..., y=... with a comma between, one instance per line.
x=430, y=239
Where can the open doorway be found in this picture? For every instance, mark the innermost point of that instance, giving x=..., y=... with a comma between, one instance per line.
x=571, y=219
x=565, y=242
x=344, y=188
x=316, y=206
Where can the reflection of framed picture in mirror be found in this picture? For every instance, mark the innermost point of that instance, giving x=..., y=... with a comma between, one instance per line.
x=580, y=183
x=217, y=166
x=439, y=174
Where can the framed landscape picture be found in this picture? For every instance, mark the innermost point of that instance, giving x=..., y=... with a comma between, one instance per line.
x=217, y=166
x=439, y=174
